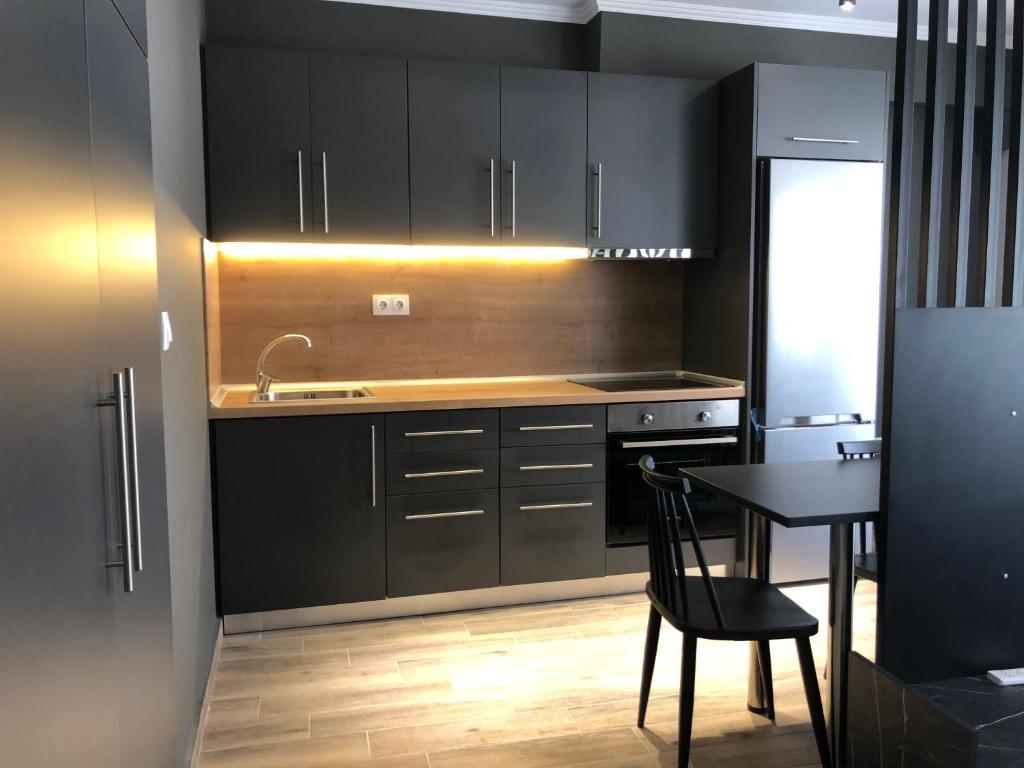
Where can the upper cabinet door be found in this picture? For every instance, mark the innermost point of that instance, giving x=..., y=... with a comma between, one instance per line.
x=821, y=112
x=543, y=157
x=134, y=14
x=454, y=147
x=360, y=148
x=653, y=157
x=257, y=143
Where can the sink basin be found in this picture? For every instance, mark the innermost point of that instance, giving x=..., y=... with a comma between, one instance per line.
x=282, y=396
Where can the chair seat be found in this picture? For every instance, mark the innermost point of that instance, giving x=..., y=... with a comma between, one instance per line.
x=752, y=610
x=866, y=566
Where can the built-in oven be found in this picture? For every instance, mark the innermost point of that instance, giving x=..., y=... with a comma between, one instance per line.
x=679, y=435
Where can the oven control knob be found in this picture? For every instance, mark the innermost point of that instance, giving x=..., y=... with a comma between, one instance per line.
x=704, y=416
x=647, y=417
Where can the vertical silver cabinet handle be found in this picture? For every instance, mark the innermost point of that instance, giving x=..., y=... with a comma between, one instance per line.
x=373, y=463
x=599, y=173
x=490, y=170
x=302, y=211
x=124, y=490
x=513, y=199
x=133, y=457
x=327, y=208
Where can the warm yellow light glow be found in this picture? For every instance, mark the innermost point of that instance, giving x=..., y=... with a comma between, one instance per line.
x=417, y=253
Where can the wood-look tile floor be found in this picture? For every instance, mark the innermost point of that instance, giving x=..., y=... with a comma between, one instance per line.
x=533, y=686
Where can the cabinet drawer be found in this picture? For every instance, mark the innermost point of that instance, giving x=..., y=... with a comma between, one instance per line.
x=441, y=542
x=820, y=112
x=441, y=431
x=551, y=533
x=552, y=465
x=557, y=425
x=441, y=471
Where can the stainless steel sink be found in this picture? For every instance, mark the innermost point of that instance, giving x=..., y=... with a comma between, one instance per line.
x=282, y=396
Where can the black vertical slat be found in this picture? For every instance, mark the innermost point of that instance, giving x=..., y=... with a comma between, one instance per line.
x=902, y=154
x=963, y=155
x=901, y=149
x=985, y=290
x=934, y=144
x=1013, y=253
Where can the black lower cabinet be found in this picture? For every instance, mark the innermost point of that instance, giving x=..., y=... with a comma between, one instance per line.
x=552, y=533
x=300, y=511
x=442, y=542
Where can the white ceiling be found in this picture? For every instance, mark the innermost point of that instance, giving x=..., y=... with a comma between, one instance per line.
x=871, y=17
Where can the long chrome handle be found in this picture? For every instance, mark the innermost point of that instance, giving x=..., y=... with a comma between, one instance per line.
x=435, y=515
x=513, y=199
x=490, y=170
x=533, y=467
x=551, y=427
x=444, y=473
x=445, y=432
x=121, y=434
x=327, y=216
x=302, y=207
x=688, y=441
x=816, y=140
x=568, y=505
x=133, y=456
x=373, y=462
x=599, y=173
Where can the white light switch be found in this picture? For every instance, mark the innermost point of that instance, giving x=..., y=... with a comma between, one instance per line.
x=166, y=334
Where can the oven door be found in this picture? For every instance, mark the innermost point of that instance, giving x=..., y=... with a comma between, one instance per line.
x=627, y=493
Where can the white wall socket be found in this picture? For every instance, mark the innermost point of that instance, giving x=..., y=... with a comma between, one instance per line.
x=391, y=304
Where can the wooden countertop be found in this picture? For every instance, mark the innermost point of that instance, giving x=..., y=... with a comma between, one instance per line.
x=232, y=401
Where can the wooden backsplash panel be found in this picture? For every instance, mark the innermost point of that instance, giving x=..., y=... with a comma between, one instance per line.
x=469, y=318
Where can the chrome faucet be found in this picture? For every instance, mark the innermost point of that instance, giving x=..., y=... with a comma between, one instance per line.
x=263, y=380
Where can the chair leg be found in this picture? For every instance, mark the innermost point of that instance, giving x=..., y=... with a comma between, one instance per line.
x=764, y=656
x=803, y=649
x=650, y=651
x=686, y=687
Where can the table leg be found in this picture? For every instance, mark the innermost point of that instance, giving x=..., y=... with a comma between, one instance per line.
x=759, y=531
x=840, y=629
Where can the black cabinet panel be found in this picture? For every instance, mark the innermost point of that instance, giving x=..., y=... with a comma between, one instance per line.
x=259, y=167
x=360, y=144
x=441, y=542
x=298, y=520
x=806, y=111
x=550, y=533
x=442, y=471
x=134, y=14
x=655, y=142
x=544, y=133
x=430, y=431
x=58, y=672
x=553, y=425
x=454, y=148
x=552, y=464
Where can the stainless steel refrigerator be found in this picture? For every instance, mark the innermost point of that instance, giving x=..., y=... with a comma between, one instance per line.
x=817, y=318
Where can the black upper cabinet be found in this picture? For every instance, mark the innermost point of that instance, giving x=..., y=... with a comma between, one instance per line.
x=258, y=144
x=652, y=162
x=360, y=148
x=454, y=153
x=820, y=112
x=302, y=525
x=544, y=139
x=134, y=14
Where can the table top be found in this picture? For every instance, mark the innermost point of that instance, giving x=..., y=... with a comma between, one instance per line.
x=799, y=494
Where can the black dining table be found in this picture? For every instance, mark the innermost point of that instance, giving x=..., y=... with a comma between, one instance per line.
x=799, y=494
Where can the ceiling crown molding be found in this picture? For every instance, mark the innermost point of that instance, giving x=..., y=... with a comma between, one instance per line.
x=582, y=11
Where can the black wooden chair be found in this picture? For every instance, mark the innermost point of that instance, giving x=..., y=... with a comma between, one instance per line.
x=865, y=564
x=715, y=608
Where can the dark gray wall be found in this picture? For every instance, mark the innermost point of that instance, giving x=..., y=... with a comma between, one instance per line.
x=175, y=30
x=368, y=29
